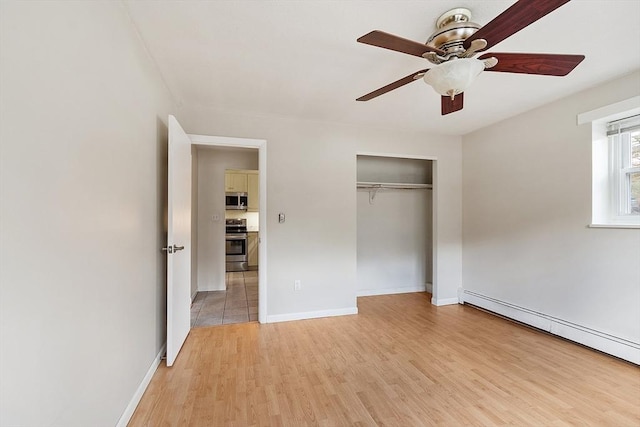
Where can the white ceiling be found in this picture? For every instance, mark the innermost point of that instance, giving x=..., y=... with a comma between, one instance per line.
x=301, y=58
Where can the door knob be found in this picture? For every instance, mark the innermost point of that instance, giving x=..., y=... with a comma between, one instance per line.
x=172, y=249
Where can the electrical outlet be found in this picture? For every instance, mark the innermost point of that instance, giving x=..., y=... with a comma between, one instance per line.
x=296, y=285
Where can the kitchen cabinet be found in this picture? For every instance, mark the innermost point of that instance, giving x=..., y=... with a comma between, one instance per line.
x=235, y=182
x=244, y=181
x=253, y=191
x=252, y=250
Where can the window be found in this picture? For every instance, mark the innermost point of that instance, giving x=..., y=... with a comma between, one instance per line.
x=615, y=178
x=624, y=153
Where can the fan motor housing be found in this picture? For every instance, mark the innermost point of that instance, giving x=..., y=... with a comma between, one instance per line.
x=453, y=28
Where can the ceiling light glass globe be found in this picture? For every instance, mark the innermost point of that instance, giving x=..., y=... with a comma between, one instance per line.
x=454, y=76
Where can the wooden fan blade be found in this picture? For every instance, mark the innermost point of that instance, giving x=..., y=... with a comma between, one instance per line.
x=391, y=86
x=514, y=19
x=452, y=105
x=534, y=63
x=399, y=44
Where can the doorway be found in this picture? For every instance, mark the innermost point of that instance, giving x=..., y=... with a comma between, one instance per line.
x=241, y=295
x=225, y=211
x=180, y=218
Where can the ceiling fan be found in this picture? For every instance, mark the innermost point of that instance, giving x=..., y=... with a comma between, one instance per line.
x=452, y=47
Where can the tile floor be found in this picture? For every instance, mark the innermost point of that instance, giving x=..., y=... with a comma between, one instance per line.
x=238, y=304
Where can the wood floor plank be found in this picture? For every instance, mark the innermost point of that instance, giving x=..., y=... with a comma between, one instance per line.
x=400, y=362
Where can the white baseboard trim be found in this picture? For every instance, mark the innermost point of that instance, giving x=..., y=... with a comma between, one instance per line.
x=210, y=289
x=311, y=314
x=133, y=404
x=604, y=342
x=445, y=301
x=391, y=291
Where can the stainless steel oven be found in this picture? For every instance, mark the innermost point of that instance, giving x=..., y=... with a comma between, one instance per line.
x=236, y=242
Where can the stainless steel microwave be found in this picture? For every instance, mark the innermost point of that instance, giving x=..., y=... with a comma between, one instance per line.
x=236, y=201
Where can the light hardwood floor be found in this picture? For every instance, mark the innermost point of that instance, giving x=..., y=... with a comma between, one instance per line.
x=399, y=362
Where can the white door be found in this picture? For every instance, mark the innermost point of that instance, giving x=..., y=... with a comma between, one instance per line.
x=178, y=240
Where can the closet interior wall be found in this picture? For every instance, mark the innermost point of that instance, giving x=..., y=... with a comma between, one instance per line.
x=394, y=235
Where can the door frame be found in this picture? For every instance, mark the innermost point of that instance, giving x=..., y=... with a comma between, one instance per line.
x=261, y=145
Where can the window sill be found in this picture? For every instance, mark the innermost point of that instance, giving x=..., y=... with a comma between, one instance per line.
x=614, y=226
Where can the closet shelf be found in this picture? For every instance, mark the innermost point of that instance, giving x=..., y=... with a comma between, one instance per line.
x=374, y=187
x=392, y=185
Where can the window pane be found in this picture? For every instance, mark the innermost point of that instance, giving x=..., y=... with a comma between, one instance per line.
x=635, y=149
x=635, y=192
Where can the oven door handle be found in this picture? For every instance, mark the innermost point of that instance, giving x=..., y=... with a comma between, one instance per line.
x=239, y=237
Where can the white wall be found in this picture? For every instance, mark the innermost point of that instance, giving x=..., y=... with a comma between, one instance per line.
x=394, y=242
x=212, y=164
x=527, y=204
x=82, y=183
x=311, y=176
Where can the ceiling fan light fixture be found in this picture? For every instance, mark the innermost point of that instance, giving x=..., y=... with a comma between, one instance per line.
x=452, y=47
x=454, y=76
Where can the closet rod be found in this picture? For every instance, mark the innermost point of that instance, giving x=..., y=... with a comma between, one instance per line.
x=395, y=186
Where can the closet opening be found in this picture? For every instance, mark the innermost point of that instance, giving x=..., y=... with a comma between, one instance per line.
x=395, y=245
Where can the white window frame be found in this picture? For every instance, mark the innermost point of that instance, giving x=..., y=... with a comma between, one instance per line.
x=620, y=154
x=607, y=185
